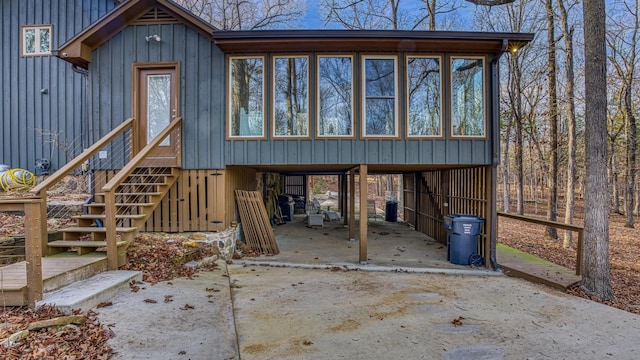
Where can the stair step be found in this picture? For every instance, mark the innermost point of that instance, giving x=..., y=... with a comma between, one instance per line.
x=88, y=293
x=133, y=193
x=103, y=216
x=93, y=229
x=79, y=243
x=142, y=183
x=119, y=204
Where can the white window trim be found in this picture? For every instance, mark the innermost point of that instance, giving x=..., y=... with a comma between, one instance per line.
x=364, y=96
x=440, y=58
x=37, y=29
x=273, y=97
x=353, y=69
x=230, y=97
x=485, y=93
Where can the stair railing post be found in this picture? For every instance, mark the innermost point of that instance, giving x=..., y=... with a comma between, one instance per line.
x=35, y=218
x=110, y=229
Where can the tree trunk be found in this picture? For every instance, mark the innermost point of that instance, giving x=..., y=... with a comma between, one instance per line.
x=630, y=173
x=571, y=126
x=552, y=203
x=505, y=168
x=519, y=169
x=596, y=270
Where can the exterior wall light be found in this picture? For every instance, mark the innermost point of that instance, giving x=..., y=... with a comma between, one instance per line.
x=155, y=37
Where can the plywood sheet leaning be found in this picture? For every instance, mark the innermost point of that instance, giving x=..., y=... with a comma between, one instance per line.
x=255, y=222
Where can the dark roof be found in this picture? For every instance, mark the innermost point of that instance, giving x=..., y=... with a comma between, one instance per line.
x=368, y=40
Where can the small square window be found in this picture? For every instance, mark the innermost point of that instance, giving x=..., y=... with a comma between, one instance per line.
x=36, y=40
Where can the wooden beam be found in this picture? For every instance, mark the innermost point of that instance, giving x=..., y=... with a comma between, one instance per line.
x=35, y=233
x=363, y=214
x=352, y=205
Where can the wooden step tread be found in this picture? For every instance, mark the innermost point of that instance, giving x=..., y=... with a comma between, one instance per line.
x=94, y=229
x=119, y=204
x=103, y=216
x=74, y=243
x=142, y=183
x=134, y=193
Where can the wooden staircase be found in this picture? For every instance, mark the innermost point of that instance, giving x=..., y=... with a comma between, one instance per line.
x=136, y=198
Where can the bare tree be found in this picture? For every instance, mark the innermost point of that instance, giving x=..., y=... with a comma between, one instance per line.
x=596, y=278
x=247, y=14
x=552, y=202
x=622, y=41
x=567, y=34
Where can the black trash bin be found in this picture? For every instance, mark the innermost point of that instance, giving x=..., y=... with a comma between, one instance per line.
x=391, y=211
x=462, y=238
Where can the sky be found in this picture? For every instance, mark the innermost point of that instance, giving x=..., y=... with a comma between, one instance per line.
x=313, y=21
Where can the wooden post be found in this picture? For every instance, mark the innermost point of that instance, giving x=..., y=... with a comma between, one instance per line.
x=110, y=229
x=35, y=230
x=352, y=205
x=579, y=252
x=363, y=214
x=490, y=224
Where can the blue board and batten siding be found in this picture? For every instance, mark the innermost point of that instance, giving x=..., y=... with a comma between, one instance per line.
x=201, y=87
x=26, y=111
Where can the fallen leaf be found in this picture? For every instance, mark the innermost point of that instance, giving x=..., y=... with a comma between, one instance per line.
x=150, y=301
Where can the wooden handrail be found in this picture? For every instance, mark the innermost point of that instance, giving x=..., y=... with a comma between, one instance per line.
x=78, y=160
x=556, y=224
x=110, y=188
x=139, y=158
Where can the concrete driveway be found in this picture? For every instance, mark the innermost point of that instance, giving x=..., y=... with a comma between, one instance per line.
x=267, y=312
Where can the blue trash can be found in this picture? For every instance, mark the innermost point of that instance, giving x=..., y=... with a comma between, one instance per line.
x=462, y=238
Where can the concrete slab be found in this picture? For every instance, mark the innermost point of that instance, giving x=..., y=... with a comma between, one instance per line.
x=90, y=292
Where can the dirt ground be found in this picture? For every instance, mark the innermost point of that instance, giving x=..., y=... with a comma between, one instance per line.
x=288, y=313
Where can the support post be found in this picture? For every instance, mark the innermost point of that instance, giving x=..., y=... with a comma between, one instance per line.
x=491, y=223
x=110, y=229
x=35, y=231
x=352, y=205
x=363, y=214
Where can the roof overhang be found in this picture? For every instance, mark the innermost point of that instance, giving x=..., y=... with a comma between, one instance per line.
x=368, y=40
x=78, y=50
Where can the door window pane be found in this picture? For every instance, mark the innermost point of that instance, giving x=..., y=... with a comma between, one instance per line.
x=380, y=108
x=246, y=97
x=467, y=97
x=424, y=96
x=158, y=106
x=335, y=93
x=290, y=105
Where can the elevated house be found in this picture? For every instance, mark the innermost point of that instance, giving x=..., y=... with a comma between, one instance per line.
x=175, y=115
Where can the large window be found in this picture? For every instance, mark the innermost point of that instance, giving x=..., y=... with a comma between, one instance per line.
x=290, y=96
x=468, y=96
x=246, y=100
x=36, y=40
x=335, y=96
x=424, y=100
x=380, y=108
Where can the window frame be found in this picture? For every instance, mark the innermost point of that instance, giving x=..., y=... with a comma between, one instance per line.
x=485, y=95
x=441, y=59
x=273, y=96
x=363, y=96
x=229, y=102
x=37, y=28
x=317, y=89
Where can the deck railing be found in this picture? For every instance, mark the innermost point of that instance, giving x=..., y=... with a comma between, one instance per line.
x=559, y=225
x=110, y=188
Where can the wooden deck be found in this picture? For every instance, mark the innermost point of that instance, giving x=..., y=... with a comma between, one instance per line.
x=57, y=271
x=520, y=264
